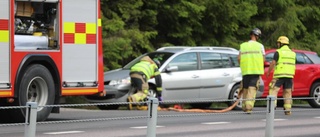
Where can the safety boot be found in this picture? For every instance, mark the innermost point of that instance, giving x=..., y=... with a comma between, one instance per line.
x=142, y=107
x=141, y=104
x=129, y=100
x=247, y=111
x=247, y=108
x=287, y=112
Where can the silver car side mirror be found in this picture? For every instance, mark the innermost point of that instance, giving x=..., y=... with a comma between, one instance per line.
x=172, y=68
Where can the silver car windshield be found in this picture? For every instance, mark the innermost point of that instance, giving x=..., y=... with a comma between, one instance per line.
x=161, y=56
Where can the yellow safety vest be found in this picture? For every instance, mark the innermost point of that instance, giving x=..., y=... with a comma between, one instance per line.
x=146, y=68
x=286, y=64
x=251, y=60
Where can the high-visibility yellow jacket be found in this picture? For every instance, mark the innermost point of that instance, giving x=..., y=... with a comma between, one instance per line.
x=251, y=58
x=286, y=64
x=149, y=69
x=146, y=68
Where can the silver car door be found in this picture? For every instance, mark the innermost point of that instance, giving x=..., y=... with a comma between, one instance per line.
x=217, y=75
x=182, y=82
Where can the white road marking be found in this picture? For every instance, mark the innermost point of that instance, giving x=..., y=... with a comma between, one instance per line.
x=63, y=132
x=143, y=127
x=214, y=123
x=275, y=119
x=316, y=117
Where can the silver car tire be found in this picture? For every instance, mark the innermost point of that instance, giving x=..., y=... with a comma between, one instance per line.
x=234, y=93
x=152, y=92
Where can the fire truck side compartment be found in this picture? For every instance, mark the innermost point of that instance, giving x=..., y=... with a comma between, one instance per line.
x=35, y=24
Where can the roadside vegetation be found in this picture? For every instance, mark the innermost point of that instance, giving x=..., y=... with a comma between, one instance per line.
x=131, y=28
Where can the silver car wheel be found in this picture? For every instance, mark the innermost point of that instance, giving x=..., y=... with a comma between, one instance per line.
x=235, y=97
x=234, y=93
x=152, y=93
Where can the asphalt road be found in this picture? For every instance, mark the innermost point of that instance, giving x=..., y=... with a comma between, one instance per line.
x=304, y=122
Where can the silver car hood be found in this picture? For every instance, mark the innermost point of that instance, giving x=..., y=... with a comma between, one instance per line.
x=116, y=74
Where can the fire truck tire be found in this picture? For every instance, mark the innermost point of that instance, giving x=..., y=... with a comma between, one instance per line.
x=234, y=96
x=36, y=85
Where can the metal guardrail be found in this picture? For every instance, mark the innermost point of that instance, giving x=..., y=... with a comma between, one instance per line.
x=153, y=103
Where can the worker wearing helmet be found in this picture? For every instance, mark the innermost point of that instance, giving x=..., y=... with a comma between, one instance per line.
x=140, y=73
x=251, y=58
x=284, y=61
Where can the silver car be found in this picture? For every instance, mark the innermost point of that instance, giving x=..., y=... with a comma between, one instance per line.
x=188, y=73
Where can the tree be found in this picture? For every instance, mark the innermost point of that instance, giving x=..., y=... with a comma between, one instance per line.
x=179, y=23
x=127, y=30
x=131, y=28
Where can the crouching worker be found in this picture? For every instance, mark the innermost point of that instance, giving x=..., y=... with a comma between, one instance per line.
x=140, y=73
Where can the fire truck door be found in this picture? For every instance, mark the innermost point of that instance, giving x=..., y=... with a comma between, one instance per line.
x=4, y=44
x=80, y=51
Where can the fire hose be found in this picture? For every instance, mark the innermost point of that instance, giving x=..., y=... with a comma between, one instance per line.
x=206, y=110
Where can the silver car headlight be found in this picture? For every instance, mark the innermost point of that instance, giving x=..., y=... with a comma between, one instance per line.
x=120, y=81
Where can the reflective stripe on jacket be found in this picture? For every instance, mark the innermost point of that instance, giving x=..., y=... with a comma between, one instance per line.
x=251, y=60
x=286, y=63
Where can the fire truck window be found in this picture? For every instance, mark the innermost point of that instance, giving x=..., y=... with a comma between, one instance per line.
x=35, y=26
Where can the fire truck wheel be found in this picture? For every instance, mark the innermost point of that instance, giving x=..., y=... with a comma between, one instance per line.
x=234, y=93
x=37, y=85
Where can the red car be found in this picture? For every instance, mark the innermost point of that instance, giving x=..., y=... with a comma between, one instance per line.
x=306, y=79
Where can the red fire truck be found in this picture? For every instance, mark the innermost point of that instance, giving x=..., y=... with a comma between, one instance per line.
x=48, y=49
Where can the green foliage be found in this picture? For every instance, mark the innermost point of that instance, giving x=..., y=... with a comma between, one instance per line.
x=131, y=28
x=179, y=21
x=126, y=30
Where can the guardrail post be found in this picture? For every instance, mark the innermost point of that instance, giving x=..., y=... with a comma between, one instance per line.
x=270, y=116
x=31, y=119
x=153, y=104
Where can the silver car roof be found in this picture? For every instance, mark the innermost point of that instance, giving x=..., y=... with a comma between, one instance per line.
x=175, y=49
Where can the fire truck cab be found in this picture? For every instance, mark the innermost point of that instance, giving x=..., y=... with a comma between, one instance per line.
x=48, y=49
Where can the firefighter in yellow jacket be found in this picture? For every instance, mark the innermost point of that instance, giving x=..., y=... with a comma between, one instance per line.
x=251, y=58
x=284, y=61
x=140, y=73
